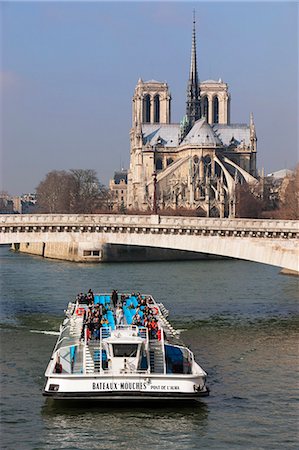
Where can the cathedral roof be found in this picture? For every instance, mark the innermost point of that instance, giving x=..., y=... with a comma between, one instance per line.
x=165, y=134
x=234, y=133
x=201, y=134
x=212, y=81
x=281, y=173
x=154, y=82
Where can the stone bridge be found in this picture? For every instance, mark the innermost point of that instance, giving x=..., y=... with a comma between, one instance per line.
x=82, y=237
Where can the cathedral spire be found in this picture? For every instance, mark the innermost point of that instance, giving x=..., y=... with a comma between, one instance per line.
x=193, y=91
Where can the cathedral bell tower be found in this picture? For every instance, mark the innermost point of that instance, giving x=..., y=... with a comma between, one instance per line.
x=151, y=103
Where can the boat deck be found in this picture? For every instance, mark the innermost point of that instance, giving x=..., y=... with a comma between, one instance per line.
x=125, y=346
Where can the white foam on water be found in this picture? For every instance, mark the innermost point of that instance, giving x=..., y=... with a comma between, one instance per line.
x=54, y=333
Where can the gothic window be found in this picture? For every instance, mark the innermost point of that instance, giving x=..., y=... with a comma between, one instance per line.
x=205, y=107
x=156, y=109
x=147, y=109
x=215, y=110
x=169, y=161
x=159, y=164
x=207, y=166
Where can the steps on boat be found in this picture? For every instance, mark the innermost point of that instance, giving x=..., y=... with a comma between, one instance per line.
x=156, y=357
x=163, y=310
x=92, y=357
x=168, y=328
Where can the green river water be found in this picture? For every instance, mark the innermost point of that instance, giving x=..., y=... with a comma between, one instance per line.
x=240, y=319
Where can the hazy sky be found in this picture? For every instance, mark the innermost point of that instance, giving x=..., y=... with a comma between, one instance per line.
x=69, y=69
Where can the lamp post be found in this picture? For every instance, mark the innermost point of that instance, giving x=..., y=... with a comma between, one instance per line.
x=155, y=206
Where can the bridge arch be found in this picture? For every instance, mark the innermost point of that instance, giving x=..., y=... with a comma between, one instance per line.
x=273, y=242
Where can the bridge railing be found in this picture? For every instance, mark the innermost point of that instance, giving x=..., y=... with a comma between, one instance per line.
x=147, y=221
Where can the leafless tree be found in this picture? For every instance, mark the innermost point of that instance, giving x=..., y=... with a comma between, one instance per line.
x=248, y=204
x=54, y=193
x=77, y=191
x=89, y=193
x=289, y=208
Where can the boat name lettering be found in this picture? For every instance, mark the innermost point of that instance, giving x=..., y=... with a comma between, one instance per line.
x=164, y=388
x=111, y=386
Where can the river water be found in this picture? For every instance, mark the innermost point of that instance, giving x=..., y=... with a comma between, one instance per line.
x=240, y=319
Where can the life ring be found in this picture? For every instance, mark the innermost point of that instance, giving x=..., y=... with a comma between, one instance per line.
x=80, y=311
x=155, y=310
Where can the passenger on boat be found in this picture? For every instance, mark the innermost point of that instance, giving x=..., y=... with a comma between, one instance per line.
x=88, y=333
x=58, y=366
x=88, y=313
x=90, y=298
x=137, y=320
x=146, y=310
x=97, y=330
x=153, y=328
x=80, y=297
x=104, y=321
x=119, y=315
x=102, y=310
x=143, y=302
x=114, y=297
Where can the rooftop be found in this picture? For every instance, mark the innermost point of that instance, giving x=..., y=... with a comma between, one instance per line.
x=202, y=134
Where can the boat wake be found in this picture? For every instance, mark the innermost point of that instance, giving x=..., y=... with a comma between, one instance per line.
x=54, y=333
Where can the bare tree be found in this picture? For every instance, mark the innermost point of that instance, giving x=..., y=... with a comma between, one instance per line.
x=89, y=193
x=289, y=208
x=77, y=191
x=54, y=193
x=248, y=204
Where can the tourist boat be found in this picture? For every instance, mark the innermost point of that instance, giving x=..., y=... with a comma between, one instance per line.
x=122, y=360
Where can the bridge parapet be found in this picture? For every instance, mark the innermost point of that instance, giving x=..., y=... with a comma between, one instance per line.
x=93, y=220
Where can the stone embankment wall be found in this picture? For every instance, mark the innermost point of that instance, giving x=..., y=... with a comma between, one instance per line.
x=68, y=251
x=79, y=252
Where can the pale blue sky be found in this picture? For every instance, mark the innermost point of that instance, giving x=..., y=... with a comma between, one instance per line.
x=68, y=73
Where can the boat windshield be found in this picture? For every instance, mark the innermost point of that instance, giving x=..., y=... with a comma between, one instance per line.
x=65, y=339
x=122, y=350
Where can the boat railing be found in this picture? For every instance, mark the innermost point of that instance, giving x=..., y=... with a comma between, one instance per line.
x=143, y=333
x=163, y=350
x=84, y=351
x=105, y=332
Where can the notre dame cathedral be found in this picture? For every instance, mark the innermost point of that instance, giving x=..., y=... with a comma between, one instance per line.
x=196, y=163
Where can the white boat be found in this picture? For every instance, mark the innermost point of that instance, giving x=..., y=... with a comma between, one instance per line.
x=121, y=360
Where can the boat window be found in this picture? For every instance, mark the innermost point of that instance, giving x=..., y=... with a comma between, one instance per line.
x=125, y=350
x=178, y=360
x=142, y=365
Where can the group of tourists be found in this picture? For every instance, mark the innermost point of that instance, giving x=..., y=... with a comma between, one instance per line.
x=146, y=319
x=95, y=316
x=86, y=299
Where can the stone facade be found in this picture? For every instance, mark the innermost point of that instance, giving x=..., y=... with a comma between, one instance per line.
x=118, y=190
x=215, y=101
x=195, y=164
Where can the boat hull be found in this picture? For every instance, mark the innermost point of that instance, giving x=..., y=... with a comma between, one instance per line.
x=104, y=388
